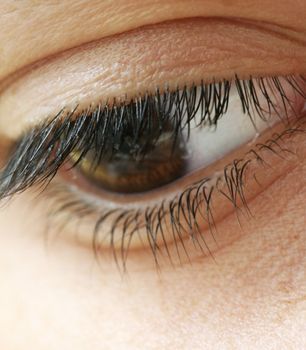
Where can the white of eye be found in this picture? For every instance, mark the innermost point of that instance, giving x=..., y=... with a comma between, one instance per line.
x=206, y=145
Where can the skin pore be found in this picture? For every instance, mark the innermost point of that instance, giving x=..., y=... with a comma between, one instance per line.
x=252, y=293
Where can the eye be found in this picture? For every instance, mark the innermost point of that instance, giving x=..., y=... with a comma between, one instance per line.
x=155, y=170
x=160, y=138
x=150, y=170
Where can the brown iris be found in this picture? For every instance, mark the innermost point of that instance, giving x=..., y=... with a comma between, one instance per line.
x=127, y=172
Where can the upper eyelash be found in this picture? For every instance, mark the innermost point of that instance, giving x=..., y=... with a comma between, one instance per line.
x=39, y=154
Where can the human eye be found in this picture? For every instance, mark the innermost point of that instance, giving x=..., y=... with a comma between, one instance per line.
x=157, y=167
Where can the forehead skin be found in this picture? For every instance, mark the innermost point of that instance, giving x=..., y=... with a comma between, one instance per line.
x=34, y=29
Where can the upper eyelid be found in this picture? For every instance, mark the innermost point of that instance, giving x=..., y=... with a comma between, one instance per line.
x=52, y=22
x=284, y=31
x=34, y=111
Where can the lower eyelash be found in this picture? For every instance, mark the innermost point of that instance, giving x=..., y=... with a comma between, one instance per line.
x=181, y=213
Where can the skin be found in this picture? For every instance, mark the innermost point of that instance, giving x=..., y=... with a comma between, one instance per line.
x=252, y=295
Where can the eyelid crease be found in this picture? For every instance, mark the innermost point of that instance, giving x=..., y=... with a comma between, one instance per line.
x=259, y=25
x=146, y=13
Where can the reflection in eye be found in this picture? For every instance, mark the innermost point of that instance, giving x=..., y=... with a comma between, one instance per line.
x=150, y=142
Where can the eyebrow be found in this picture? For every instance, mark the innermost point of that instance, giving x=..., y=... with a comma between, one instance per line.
x=57, y=26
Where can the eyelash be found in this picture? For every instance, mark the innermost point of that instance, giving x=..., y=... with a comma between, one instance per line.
x=41, y=152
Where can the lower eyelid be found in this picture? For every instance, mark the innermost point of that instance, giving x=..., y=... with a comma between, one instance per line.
x=272, y=156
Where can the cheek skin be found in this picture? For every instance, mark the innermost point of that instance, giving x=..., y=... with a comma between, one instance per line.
x=249, y=297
